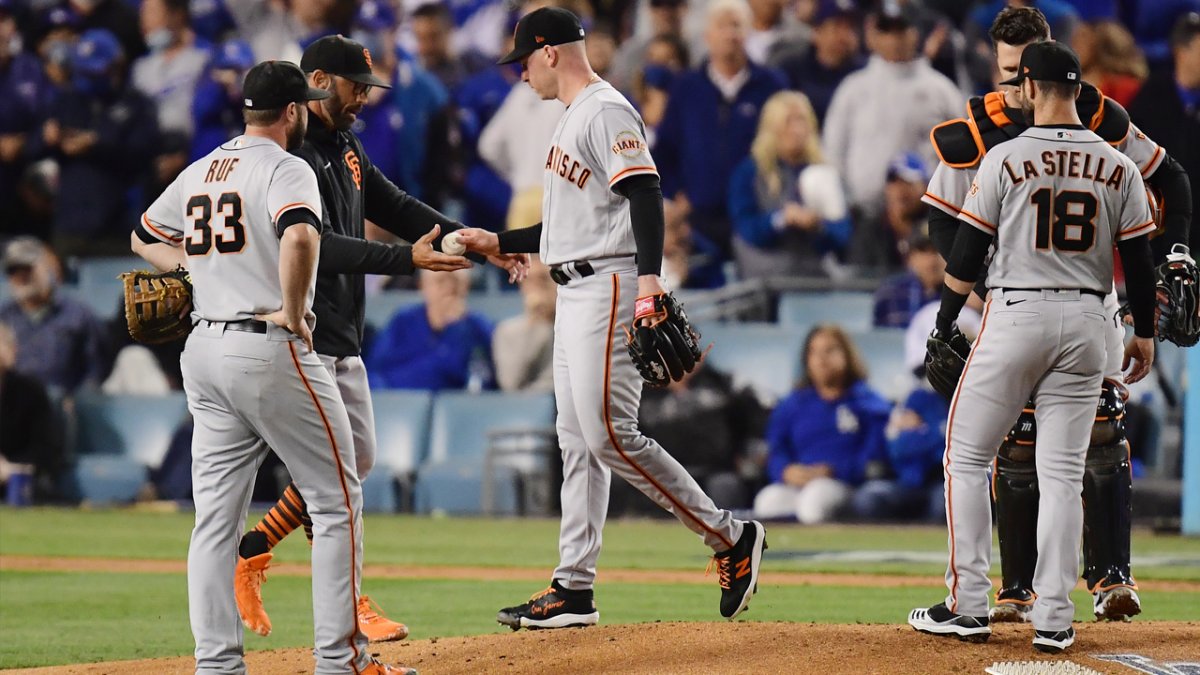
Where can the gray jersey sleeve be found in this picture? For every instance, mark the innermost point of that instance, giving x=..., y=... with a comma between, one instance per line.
x=293, y=186
x=981, y=208
x=948, y=188
x=616, y=137
x=1136, y=219
x=1142, y=149
x=164, y=219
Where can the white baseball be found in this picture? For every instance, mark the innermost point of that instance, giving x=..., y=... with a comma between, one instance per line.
x=452, y=246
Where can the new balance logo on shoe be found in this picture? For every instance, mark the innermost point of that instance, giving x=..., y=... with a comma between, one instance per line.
x=743, y=568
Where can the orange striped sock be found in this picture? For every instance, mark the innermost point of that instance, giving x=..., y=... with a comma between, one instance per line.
x=287, y=514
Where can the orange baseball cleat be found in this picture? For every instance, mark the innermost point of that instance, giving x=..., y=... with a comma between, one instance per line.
x=248, y=579
x=377, y=667
x=376, y=626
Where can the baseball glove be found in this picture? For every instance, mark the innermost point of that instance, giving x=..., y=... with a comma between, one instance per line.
x=157, y=305
x=945, y=360
x=1178, y=286
x=667, y=347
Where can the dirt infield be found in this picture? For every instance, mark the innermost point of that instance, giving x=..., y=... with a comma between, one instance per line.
x=740, y=647
x=122, y=566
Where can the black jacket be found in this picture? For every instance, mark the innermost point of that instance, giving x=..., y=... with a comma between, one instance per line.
x=352, y=189
x=1159, y=112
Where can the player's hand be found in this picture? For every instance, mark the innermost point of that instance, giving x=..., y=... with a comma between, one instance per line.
x=1139, y=352
x=299, y=326
x=649, y=285
x=428, y=258
x=480, y=241
x=516, y=264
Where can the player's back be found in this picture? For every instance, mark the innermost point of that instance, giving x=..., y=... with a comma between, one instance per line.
x=1065, y=200
x=231, y=200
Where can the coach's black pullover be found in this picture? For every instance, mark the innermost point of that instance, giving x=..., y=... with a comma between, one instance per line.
x=353, y=189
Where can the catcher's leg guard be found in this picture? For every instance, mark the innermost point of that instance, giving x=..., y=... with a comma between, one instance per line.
x=1108, y=500
x=1015, y=488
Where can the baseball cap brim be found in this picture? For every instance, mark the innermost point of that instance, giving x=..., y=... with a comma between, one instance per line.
x=1014, y=81
x=366, y=78
x=516, y=55
x=315, y=94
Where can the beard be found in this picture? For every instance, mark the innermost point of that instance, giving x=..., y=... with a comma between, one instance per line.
x=295, y=133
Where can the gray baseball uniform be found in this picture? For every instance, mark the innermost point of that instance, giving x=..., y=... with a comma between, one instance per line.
x=948, y=188
x=251, y=386
x=599, y=141
x=1057, y=200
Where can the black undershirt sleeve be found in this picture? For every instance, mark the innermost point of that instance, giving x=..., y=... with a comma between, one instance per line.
x=644, y=193
x=1138, y=263
x=1171, y=181
x=965, y=263
x=942, y=228
x=522, y=240
x=294, y=216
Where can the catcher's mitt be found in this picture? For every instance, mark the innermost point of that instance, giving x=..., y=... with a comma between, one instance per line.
x=945, y=360
x=1178, y=285
x=157, y=305
x=667, y=347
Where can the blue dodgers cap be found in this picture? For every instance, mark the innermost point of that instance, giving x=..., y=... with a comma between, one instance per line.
x=834, y=9
x=234, y=55
x=374, y=15
x=908, y=167
x=95, y=52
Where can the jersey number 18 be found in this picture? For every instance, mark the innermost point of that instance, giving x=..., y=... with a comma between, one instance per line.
x=1066, y=220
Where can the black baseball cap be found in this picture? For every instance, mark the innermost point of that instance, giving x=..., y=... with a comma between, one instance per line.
x=546, y=26
x=274, y=84
x=1048, y=61
x=341, y=56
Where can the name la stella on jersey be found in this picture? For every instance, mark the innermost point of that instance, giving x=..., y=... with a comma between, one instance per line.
x=1072, y=164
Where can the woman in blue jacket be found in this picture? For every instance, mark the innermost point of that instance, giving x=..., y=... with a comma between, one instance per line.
x=788, y=209
x=826, y=440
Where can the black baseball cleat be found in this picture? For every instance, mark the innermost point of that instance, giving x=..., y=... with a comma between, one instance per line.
x=1013, y=605
x=939, y=620
x=1053, y=641
x=555, y=607
x=737, y=569
x=1115, y=598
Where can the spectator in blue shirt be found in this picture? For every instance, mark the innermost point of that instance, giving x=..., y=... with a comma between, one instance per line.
x=835, y=54
x=436, y=345
x=710, y=121
x=788, y=209
x=59, y=340
x=485, y=193
x=826, y=441
x=899, y=297
x=23, y=99
x=217, y=105
x=916, y=443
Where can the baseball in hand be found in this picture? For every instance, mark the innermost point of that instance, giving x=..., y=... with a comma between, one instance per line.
x=452, y=246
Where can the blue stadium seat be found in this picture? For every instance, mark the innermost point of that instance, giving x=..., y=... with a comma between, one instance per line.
x=850, y=310
x=105, y=299
x=883, y=351
x=135, y=427
x=761, y=355
x=451, y=479
x=401, y=436
x=496, y=306
x=381, y=307
x=95, y=271
x=106, y=479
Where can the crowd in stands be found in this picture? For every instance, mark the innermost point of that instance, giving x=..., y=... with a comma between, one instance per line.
x=792, y=139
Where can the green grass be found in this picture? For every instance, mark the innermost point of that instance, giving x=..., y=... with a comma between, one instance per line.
x=124, y=616
x=39, y=608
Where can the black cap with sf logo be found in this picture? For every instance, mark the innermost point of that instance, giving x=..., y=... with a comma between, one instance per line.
x=539, y=28
x=341, y=56
x=1048, y=61
x=274, y=84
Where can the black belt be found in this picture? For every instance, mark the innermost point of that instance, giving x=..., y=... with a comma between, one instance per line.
x=1084, y=291
x=583, y=268
x=245, y=325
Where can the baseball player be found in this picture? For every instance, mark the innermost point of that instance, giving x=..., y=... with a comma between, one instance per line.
x=602, y=236
x=352, y=189
x=1056, y=199
x=245, y=221
x=961, y=145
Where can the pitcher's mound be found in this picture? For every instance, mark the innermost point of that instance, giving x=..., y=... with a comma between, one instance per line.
x=741, y=647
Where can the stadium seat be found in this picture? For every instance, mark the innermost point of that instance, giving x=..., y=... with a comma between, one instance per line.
x=381, y=307
x=401, y=437
x=883, y=351
x=98, y=271
x=761, y=355
x=105, y=299
x=136, y=427
x=496, y=306
x=106, y=479
x=451, y=479
x=850, y=310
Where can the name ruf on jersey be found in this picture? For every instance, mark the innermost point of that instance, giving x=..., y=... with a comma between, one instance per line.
x=561, y=163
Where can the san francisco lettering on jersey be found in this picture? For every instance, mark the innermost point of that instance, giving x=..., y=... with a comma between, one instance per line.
x=561, y=163
x=1070, y=164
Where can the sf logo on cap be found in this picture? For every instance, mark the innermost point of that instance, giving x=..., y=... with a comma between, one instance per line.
x=367, y=56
